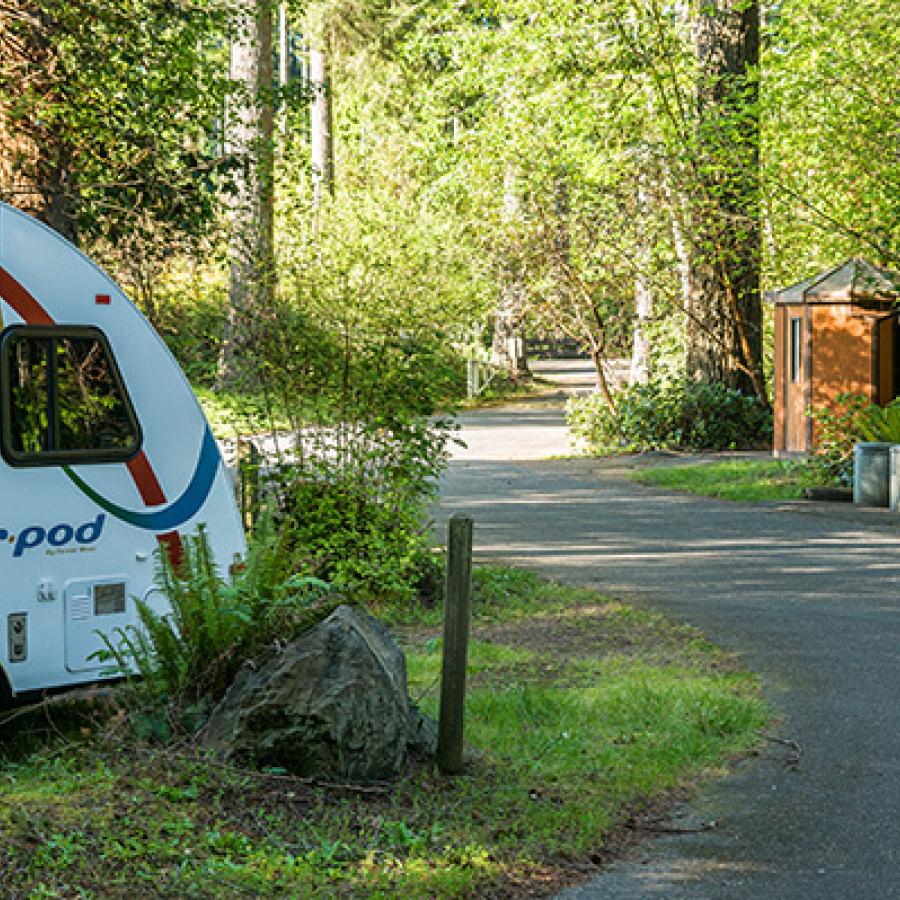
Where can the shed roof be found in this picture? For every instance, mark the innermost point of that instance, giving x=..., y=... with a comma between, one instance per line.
x=856, y=279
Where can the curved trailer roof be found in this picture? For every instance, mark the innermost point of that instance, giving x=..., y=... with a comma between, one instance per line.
x=44, y=280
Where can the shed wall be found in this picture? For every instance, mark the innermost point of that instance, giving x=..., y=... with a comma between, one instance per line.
x=886, y=355
x=843, y=355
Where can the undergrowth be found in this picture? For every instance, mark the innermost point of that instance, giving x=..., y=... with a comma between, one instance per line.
x=579, y=709
x=663, y=415
x=186, y=658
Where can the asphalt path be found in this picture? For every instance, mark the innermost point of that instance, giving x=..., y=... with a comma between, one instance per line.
x=805, y=593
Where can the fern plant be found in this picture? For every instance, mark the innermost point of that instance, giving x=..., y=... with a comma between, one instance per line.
x=186, y=658
x=881, y=423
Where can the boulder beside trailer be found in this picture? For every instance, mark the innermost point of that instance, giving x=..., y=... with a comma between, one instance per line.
x=105, y=456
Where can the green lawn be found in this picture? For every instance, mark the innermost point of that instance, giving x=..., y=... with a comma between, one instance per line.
x=737, y=480
x=579, y=708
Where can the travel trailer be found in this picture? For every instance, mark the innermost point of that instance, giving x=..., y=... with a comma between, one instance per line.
x=105, y=455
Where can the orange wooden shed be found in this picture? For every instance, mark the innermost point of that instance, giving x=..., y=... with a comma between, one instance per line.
x=835, y=333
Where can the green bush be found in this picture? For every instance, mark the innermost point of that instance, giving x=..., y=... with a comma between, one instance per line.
x=850, y=419
x=192, y=327
x=353, y=363
x=353, y=505
x=683, y=414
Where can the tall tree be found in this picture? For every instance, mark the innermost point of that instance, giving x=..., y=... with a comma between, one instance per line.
x=508, y=345
x=321, y=113
x=251, y=132
x=724, y=340
x=639, y=371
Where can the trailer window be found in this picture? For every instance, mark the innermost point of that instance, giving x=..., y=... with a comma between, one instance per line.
x=62, y=398
x=28, y=396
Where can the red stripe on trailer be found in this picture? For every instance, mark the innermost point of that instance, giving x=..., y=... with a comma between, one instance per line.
x=145, y=480
x=171, y=540
x=21, y=300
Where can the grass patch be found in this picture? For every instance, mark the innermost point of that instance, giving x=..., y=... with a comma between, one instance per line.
x=503, y=390
x=736, y=480
x=579, y=709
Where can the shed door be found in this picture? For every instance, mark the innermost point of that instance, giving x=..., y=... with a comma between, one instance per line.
x=888, y=355
x=796, y=374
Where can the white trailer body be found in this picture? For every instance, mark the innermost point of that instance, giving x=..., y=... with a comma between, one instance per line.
x=106, y=455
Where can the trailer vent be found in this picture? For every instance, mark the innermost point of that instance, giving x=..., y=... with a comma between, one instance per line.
x=17, y=636
x=79, y=607
x=94, y=607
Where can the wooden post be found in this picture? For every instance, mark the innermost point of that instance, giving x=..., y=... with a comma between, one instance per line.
x=239, y=474
x=248, y=464
x=456, y=645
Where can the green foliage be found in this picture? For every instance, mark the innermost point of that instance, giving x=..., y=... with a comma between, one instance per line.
x=881, y=423
x=830, y=117
x=187, y=657
x=559, y=223
x=683, y=414
x=354, y=503
x=852, y=418
x=189, y=314
x=111, y=106
x=357, y=359
x=580, y=116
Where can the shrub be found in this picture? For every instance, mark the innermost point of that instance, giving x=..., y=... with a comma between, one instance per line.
x=192, y=326
x=683, y=414
x=353, y=504
x=354, y=361
x=852, y=418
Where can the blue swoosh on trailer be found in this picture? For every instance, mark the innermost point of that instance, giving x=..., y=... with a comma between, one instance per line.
x=176, y=513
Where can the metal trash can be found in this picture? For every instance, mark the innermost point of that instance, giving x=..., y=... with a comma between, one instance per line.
x=871, y=469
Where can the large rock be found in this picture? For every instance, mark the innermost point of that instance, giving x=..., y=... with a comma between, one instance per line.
x=334, y=702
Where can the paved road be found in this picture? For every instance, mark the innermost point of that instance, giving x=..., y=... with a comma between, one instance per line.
x=807, y=596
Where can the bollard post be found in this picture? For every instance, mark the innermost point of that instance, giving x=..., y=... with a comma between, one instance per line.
x=456, y=644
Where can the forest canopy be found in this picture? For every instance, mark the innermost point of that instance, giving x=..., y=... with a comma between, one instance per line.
x=628, y=174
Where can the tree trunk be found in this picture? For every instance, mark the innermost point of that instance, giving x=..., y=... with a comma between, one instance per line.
x=250, y=133
x=36, y=165
x=284, y=68
x=639, y=372
x=724, y=339
x=508, y=345
x=321, y=119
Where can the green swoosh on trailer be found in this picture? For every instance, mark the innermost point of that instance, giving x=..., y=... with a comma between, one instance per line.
x=176, y=513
